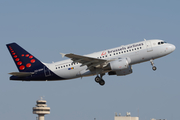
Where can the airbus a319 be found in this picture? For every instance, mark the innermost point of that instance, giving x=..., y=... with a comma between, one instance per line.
x=116, y=61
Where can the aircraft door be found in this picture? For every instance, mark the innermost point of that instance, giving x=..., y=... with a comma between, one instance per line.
x=149, y=46
x=47, y=71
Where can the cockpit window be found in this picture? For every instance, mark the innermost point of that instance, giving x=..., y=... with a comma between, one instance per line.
x=159, y=43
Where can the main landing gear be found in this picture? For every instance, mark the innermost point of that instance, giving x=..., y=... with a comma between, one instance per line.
x=152, y=63
x=100, y=80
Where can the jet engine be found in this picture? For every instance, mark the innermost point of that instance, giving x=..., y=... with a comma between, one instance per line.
x=121, y=72
x=120, y=64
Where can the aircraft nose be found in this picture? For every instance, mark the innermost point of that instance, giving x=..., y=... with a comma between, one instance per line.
x=173, y=47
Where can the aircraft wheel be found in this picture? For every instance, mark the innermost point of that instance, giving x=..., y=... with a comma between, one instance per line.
x=102, y=82
x=154, y=68
x=97, y=79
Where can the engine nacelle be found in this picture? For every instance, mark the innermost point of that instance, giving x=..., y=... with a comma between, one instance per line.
x=121, y=72
x=119, y=64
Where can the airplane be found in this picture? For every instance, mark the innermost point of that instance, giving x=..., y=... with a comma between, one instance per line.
x=116, y=61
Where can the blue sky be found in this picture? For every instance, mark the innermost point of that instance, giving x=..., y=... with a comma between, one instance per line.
x=46, y=28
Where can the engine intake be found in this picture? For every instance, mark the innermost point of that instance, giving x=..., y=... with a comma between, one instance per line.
x=119, y=64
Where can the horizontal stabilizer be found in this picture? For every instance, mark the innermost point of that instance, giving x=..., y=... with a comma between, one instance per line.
x=21, y=74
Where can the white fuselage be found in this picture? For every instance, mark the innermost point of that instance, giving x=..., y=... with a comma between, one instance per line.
x=136, y=53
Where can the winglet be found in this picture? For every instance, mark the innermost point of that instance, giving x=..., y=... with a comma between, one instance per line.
x=62, y=54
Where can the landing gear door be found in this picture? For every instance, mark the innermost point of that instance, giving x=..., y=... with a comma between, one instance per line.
x=149, y=46
x=47, y=71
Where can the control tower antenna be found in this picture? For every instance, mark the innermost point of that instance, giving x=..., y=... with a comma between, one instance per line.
x=41, y=109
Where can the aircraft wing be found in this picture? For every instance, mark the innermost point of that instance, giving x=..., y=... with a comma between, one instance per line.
x=84, y=60
x=21, y=74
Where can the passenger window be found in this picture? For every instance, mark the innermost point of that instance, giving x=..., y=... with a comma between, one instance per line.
x=114, y=54
x=162, y=42
x=124, y=51
x=130, y=50
x=138, y=48
x=119, y=52
x=159, y=43
x=134, y=48
x=103, y=56
x=110, y=54
x=127, y=50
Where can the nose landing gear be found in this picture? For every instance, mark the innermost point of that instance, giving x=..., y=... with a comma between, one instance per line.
x=100, y=80
x=152, y=63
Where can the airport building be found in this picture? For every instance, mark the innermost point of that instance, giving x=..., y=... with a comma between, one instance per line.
x=41, y=109
x=158, y=119
x=127, y=117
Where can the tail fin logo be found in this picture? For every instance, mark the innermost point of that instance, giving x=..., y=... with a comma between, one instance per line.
x=19, y=62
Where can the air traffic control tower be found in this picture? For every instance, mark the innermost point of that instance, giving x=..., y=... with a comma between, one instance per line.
x=41, y=109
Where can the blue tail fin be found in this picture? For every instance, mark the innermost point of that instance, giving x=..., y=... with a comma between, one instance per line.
x=24, y=61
